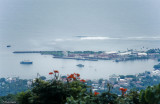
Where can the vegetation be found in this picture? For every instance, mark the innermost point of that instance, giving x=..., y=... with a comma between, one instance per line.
x=73, y=90
x=153, y=51
x=156, y=66
x=12, y=86
x=55, y=53
x=8, y=98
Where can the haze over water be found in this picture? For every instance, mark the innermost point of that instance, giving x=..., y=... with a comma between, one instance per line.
x=108, y=25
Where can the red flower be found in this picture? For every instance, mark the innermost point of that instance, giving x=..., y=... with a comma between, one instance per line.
x=82, y=80
x=56, y=71
x=50, y=73
x=70, y=76
x=96, y=93
x=73, y=76
x=78, y=75
x=123, y=90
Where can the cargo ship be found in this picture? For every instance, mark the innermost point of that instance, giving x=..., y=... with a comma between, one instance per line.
x=26, y=62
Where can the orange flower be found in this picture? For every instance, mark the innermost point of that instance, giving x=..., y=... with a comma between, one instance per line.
x=123, y=90
x=70, y=76
x=56, y=71
x=50, y=73
x=78, y=75
x=73, y=76
x=96, y=93
x=82, y=80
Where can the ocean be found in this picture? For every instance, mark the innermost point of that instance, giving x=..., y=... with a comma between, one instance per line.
x=43, y=64
x=76, y=25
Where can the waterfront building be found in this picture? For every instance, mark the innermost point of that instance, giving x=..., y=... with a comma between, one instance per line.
x=114, y=78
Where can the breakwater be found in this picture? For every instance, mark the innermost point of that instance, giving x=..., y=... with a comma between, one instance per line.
x=35, y=51
x=27, y=51
x=55, y=53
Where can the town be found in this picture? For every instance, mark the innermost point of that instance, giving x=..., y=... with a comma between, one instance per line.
x=137, y=82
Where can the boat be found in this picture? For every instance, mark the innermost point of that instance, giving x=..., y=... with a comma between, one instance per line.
x=117, y=60
x=80, y=65
x=8, y=46
x=81, y=59
x=26, y=62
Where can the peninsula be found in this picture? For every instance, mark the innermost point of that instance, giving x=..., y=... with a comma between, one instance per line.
x=101, y=55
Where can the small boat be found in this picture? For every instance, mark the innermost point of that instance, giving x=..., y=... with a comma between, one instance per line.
x=117, y=60
x=26, y=62
x=8, y=46
x=80, y=65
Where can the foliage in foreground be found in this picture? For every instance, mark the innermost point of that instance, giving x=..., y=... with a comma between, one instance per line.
x=75, y=91
x=56, y=92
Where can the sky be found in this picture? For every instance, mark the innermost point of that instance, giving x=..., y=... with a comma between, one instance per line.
x=46, y=20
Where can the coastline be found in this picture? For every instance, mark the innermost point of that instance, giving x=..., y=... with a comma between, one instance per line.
x=100, y=55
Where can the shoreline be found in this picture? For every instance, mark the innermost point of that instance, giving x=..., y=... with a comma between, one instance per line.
x=100, y=55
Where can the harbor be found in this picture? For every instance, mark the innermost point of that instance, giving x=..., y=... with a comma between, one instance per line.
x=100, y=55
x=45, y=63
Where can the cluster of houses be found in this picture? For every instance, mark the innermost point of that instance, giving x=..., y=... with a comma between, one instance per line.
x=139, y=81
x=13, y=85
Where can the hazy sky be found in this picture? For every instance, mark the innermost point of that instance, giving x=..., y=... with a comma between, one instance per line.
x=44, y=19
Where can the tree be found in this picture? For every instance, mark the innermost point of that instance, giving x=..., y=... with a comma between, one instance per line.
x=24, y=97
x=151, y=95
